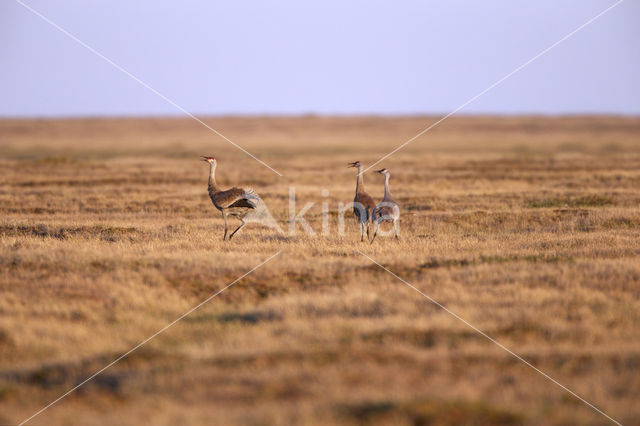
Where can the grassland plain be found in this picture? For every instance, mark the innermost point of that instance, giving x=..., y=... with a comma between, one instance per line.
x=527, y=227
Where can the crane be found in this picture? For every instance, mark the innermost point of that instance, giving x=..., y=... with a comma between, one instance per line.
x=236, y=202
x=363, y=204
x=387, y=210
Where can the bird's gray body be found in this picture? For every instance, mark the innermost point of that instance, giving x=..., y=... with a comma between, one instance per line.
x=236, y=202
x=386, y=210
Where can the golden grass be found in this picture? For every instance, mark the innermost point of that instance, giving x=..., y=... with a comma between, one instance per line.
x=527, y=227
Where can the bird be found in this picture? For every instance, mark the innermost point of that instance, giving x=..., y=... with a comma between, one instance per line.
x=236, y=202
x=387, y=210
x=363, y=204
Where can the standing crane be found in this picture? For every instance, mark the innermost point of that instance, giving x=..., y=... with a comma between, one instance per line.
x=363, y=204
x=236, y=202
x=387, y=210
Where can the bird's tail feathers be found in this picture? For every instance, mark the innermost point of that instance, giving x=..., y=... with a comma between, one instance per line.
x=250, y=194
x=260, y=214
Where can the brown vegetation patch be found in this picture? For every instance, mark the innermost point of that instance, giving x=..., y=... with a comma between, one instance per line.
x=105, y=233
x=579, y=201
x=426, y=338
x=429, y=412
x=527, y=227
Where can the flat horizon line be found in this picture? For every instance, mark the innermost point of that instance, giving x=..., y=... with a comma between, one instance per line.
x=80, y=117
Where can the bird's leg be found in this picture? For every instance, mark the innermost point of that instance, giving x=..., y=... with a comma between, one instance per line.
x=395, y=228
x=226, y=228
x=361, y=232
x=375, y=231
x=237, y=229
x=368, y=227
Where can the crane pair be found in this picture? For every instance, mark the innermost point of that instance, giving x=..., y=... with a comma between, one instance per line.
x=368, y=212
x=244, y=203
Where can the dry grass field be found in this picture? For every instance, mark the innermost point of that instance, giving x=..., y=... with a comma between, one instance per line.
x=527, y=227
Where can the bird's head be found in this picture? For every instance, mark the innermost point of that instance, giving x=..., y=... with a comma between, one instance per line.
x=208, y=159
x=354, y=164
x=383, y=171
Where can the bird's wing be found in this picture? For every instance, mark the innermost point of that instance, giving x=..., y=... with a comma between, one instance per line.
x=365, y=199
x=236, y=197
x=362, y=205
x=250, y=193
x=384, y=212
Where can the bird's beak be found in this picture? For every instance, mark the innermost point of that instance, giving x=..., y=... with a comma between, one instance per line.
x=351, y=165
x=204, y=158
x=379, y=171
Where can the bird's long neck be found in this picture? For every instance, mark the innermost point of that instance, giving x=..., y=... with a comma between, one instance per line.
x=212, y=177
x=359, y=182
x=387, y=194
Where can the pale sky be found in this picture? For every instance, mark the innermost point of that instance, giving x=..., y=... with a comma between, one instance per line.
x=323, y=57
